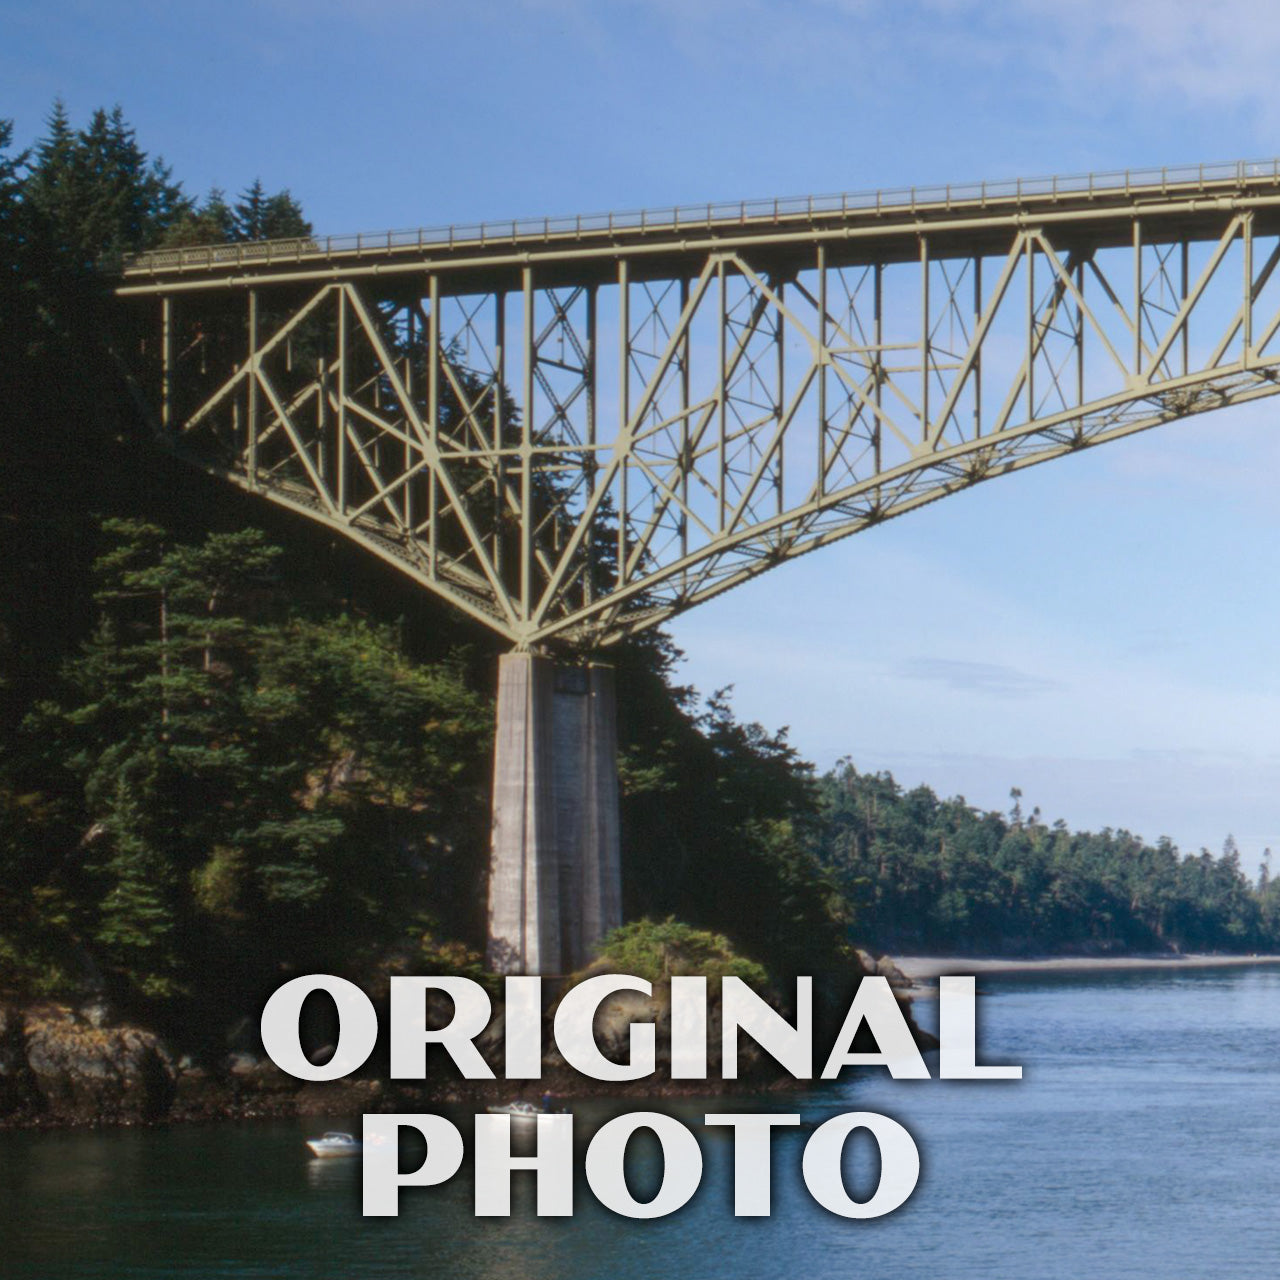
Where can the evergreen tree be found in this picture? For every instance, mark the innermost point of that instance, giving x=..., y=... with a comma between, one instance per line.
x=211, y=221
x=14, y=290
x=258, y=216
x=94, y=195
x=257, y=792
x=943, y=876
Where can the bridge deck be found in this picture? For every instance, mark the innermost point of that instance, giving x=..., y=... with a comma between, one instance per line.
x=877, y=225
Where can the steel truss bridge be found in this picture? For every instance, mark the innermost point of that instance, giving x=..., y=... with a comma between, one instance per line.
x=576, y=428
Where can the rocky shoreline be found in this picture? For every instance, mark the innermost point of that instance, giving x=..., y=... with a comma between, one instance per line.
x=77, y=1067
x=924, y=971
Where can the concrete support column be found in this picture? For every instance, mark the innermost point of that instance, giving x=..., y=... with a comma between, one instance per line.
x=554, y=878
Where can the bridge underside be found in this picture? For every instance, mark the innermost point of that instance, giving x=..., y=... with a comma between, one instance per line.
x=576, y=437
x=575, y=432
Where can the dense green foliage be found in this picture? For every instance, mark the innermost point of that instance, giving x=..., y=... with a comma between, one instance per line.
x=656, y=950
x=262, y=789
x=254, y=216
x=231, y=748
x=940, y=875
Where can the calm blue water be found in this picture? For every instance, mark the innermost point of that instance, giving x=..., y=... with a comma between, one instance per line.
x=1144, y=1141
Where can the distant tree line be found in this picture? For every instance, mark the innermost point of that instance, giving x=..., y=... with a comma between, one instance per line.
x=920, y=872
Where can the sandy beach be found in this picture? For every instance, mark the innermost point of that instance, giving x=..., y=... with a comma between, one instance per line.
x=924, y=970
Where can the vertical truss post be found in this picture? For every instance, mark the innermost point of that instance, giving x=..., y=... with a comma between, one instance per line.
x=499, y=423
x=1186, y=328
x=624, y=405
x=823, y=362
x=977, y=355
x=1079, y=334
x=166, y=362
x=1032, y=327
x=878, y=323
x=1247, y=230
x=407, y=503
x=589, y=375
x=722, y=396
x=1137, y=298
x=685, y=460
x=253, y=389
x=322, y=407
x=590, y=461
x=340, y=417
x=433, y=421
x=527, y=514
x=924, y=338
x=780, y=405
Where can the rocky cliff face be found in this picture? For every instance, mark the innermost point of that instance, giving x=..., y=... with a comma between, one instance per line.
x=55, y=1063
x=64, y=1066
x=60, y=1066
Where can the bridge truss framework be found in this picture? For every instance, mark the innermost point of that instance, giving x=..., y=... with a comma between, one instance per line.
x=576, y=429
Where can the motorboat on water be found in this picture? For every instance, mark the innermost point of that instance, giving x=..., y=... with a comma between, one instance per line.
x=521, y=1112
x=334, y=1145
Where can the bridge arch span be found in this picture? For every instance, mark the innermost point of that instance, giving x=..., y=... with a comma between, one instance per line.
x=575, y=429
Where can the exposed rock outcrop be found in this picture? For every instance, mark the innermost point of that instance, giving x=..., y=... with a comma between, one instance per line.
x=60, y=1066
x=19, y=1092
x=82, y=1073
x=886, y=968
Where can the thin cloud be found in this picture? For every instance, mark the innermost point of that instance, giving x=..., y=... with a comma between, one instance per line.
x=1165, y=50
x=991, y=678
x=1221, y=53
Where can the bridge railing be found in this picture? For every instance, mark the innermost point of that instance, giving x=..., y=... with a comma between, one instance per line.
x=1181, y=178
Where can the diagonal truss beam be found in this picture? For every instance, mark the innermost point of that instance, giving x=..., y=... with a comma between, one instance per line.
x=775, y=392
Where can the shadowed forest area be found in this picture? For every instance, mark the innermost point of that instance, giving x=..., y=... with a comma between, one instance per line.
x=233, y=748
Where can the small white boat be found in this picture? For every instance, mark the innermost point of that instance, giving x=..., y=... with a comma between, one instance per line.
x=520, y=1112
x=333, y=1145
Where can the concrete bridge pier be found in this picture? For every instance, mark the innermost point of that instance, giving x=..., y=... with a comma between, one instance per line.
x=554, y=873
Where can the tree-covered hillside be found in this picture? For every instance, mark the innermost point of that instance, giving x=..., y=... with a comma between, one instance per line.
x=940, y=875
x=231, y=746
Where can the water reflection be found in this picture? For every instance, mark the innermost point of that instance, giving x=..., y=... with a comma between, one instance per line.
x=330, y=1175
x=1140, y=1143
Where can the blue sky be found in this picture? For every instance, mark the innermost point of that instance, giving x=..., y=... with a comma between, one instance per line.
x=1100, y=632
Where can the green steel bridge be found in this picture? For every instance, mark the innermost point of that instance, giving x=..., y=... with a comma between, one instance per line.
x=576, y=428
